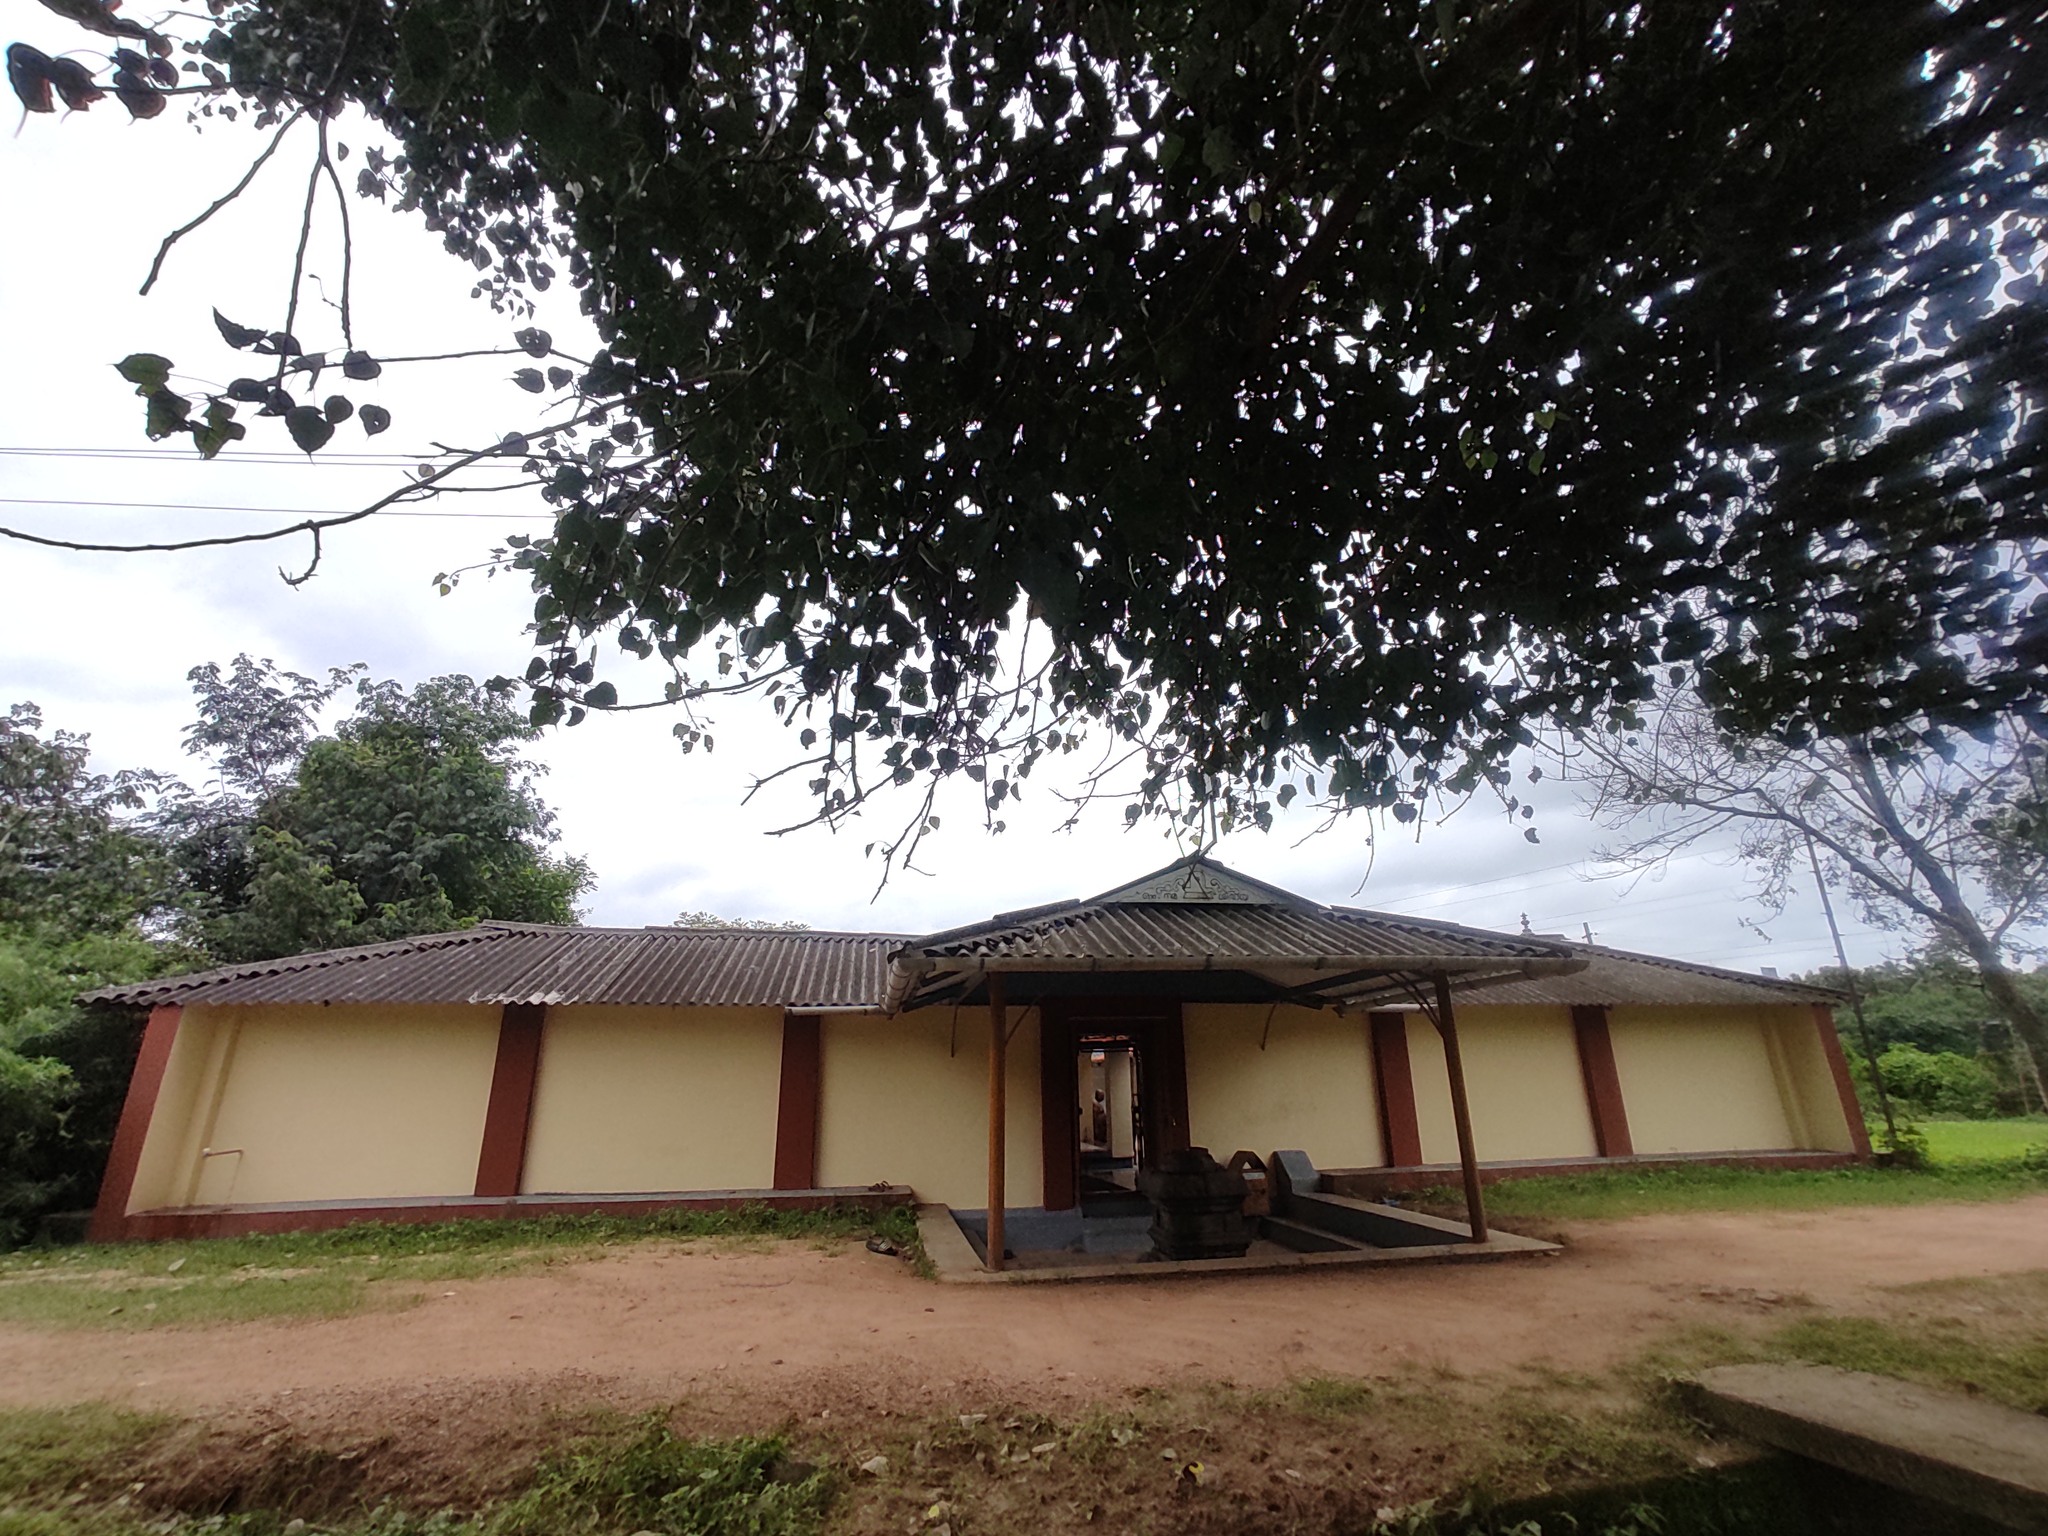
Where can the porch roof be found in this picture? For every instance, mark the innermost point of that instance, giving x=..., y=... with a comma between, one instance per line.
x=1198, y=919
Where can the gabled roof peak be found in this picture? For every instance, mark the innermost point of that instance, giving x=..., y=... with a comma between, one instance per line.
x=1200, y=878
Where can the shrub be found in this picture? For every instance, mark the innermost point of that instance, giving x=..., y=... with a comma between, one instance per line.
x=1939, y=1082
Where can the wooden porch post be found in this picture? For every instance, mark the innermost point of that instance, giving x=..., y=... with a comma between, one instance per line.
x=1461, y=1111
x=998, y=1085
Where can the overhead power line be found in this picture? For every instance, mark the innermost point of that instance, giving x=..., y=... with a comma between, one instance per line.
x=198, y=506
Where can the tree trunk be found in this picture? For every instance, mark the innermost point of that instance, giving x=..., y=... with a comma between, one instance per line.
x=1956, y=914
x=2012, y=1005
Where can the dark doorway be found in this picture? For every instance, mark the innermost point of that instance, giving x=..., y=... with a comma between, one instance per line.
x=1110, y=1099
x=1132, y=1049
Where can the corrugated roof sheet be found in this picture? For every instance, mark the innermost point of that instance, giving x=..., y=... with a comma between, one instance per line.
x=1614, y=976
x=1165, y=930
x=498, y=963
x=530, y=963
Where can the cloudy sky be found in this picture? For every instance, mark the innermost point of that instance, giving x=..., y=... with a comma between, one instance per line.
x=103, y=642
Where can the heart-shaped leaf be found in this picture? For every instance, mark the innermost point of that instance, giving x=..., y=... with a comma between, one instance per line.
x=308, y=427
x=145, y=370
x=374, y=419
x=338, y=409
x=360, y=365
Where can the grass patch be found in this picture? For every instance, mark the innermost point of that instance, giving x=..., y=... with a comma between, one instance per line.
x=749, y=1486
x=1333, y=1396
x=1953, y=1142
x=1984, y=1336
x=1650, y=1191
x=350, y=1269
x=1942, y=1353
x=68, y=1472
x=54, y=1452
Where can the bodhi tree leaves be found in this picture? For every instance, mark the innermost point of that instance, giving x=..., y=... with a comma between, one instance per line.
x=311, y=426
x=1344, y=393
x=138, y=82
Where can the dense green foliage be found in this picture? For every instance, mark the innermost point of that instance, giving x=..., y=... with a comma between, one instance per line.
x=1942, y=1045
x=1341, y=393
x=1939, y=1082
x=415, y=814
x=1933, y=1003
x=77, y=879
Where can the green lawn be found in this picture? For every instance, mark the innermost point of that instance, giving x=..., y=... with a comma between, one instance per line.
x=1953, y=1175
x=326, y=1274
x=1975, y=1141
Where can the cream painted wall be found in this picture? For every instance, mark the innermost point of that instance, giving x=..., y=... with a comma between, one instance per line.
x=1700, y=1080
x=170, y=1147
x=1806, y=1083
x=1311, y=1088
x=646, y=1099
x=1522, y=1080
x=361, y=1102
x=1527, y=1090
x=895, y=1104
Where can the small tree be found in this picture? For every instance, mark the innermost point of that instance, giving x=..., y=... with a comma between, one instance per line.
x=1926, y=841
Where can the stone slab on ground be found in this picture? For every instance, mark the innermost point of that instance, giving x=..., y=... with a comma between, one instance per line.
x=1980, y=1457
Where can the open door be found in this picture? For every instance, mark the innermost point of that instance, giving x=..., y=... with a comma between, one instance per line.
x=1131, y=1050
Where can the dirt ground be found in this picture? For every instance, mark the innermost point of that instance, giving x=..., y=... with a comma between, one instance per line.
x=790, y=1331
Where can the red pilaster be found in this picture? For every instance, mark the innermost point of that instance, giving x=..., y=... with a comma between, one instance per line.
x=502, y=1160
x=1400, y=1131
x=1845, y=1086
x=1603, y=1082
x=796, y=1112
x=109, y=1217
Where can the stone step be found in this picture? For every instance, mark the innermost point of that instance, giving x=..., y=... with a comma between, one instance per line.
x=1979, y=1457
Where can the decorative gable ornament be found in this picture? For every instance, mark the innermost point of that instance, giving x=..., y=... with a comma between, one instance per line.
x=1198, y=881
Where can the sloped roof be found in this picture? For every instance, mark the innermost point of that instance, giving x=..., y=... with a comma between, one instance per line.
x=1191, y=917
x=1198, y=916
x=532, y=963
x=1614, y=977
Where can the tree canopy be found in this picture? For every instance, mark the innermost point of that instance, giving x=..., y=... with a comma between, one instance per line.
x=1337, y=391
x=416, y=814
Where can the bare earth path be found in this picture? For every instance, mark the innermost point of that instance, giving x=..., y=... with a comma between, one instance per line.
x=791, y=1329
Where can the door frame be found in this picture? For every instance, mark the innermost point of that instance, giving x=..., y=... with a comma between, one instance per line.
x=1153, y=1026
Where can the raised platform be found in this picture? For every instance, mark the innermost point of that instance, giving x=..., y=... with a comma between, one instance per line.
x=1986, y=1460
x=951, y=1243
x=323, y=1215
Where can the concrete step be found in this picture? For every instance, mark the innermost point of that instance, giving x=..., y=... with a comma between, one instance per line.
x=1984, y=1459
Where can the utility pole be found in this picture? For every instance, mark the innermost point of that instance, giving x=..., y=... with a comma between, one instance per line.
x=1884, y=1100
